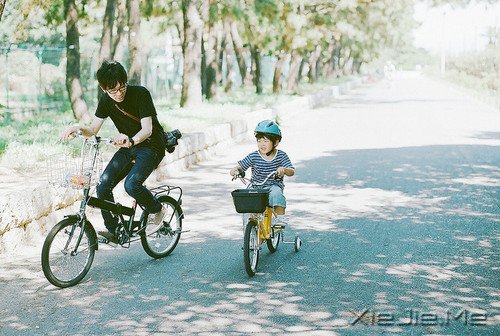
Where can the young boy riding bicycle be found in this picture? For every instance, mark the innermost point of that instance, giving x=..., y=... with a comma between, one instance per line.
x=266, y=159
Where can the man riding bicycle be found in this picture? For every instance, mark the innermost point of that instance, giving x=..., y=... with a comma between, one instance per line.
x=140, y=141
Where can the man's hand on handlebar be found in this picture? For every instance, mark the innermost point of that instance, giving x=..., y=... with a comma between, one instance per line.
x=69, y=133
x=121, y=140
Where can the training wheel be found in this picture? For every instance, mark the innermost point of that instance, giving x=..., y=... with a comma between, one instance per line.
x=298, y=243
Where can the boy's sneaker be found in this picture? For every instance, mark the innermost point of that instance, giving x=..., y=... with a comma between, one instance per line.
x=112, y=238
x=281, y=220
x=155, y=221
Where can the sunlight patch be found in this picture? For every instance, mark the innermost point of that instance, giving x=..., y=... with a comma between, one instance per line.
x=351, y=202
x=436, y=273
x=481, y=180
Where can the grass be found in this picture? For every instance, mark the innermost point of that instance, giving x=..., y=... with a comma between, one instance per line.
x=24, y=144
x=475, y=86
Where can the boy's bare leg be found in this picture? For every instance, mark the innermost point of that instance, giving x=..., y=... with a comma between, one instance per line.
x=278, y=210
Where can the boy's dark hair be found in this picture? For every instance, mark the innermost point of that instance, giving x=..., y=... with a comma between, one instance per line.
x=110, y=74
x=272, y=137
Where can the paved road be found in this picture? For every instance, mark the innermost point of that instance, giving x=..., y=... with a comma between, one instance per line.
x=396, y=198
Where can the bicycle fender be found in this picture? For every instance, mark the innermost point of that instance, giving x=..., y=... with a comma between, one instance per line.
x=173, y=201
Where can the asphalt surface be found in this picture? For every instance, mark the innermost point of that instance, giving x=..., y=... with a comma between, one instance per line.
x=396, y=200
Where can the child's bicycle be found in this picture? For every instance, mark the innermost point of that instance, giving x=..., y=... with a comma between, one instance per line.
x=261, y=224
x=69, y=248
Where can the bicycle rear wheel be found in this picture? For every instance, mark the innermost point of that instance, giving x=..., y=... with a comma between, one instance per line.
x=161, y=243
x=273, y=241
x=251, y=248
x=63, y=263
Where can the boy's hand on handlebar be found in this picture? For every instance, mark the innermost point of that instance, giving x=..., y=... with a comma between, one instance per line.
x=280, y=172
x=237, y=172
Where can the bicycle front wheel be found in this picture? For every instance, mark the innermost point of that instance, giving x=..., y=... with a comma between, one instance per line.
x=161, y=243
x=65, y=262
x=251, y=248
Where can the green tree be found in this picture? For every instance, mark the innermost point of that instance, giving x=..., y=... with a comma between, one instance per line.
x=260, y=19
x=57, y=12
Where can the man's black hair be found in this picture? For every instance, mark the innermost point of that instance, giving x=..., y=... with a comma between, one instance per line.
x=110, y=74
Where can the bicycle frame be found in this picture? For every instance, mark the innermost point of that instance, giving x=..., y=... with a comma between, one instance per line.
x=114, y=208
x=264, y=219
x=117, y=208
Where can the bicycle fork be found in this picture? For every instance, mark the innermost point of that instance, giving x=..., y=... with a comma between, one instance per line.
x=81, y=221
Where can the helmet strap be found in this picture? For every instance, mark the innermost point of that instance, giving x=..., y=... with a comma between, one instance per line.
x=272, y=150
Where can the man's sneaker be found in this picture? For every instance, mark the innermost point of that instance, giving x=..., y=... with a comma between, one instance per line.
x=112, y=238
x=155, y=221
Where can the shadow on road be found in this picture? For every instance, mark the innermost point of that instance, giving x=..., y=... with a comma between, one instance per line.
x=390, y=235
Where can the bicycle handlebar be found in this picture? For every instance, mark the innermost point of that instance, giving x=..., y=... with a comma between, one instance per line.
x=94, y=139
x=272, y=174
x=241, y=175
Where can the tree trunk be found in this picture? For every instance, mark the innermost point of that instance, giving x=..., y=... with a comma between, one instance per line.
x=303, y=62
x=105, y=49
x=221, y=51
x=121, y=21
x=347, y=63
x=229, y=71
x=73, y=82
x=336, y=61
x=228, y=53
x=318, y=68
x=191, y=50
x=106, y=46
x=278, y=72
x=210, y=66
x=239, y=52
x=356, y=65
x=134, y=42
x=293, y=73
x=313, y=65
x=2, y=6
x=327, y=62
x=256, y=69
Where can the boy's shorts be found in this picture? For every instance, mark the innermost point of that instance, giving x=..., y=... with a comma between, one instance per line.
x=276, y=196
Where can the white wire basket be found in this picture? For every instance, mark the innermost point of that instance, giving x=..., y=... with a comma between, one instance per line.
x=63, y=170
